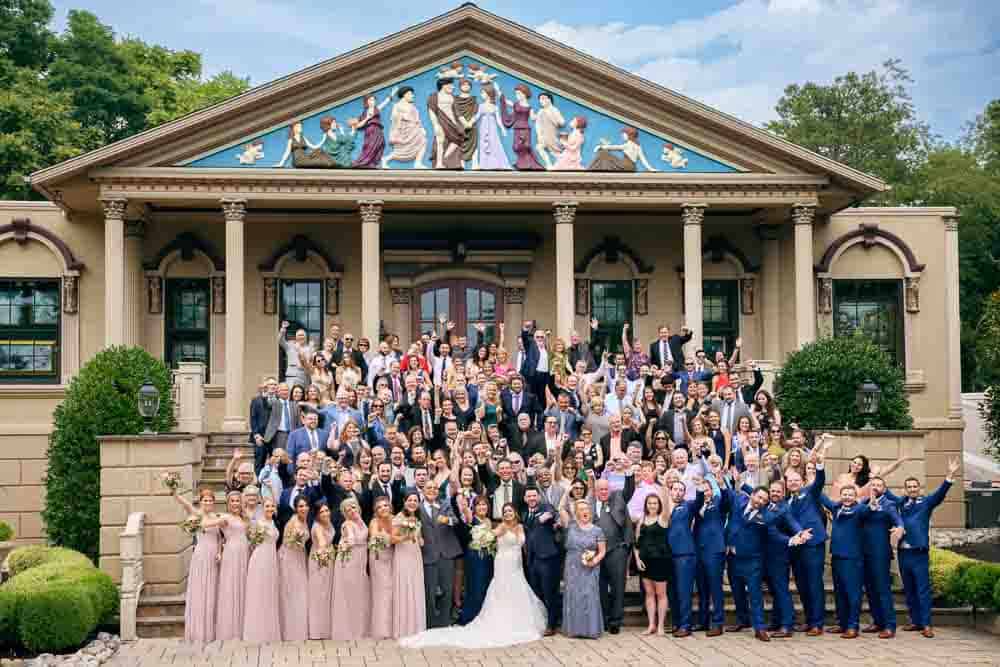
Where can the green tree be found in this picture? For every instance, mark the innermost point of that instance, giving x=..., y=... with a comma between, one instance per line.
x=866, y=121
x=988, y=349
x=25, y=37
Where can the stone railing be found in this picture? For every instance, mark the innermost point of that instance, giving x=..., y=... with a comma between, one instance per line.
x=130, y=543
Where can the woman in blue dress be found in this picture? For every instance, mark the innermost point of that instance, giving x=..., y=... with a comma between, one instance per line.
x=478, y=564
x=585, y=549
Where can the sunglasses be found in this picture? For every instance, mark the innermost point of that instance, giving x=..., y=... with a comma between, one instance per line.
x=348, y=340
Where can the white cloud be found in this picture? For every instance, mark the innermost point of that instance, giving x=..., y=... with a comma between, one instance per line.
x=740, y=59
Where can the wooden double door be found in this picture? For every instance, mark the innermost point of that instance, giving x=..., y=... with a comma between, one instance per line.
x=464, y=302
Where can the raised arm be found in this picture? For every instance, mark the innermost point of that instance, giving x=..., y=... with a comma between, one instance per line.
x=734, y=357
x=184, y=502
x=625, y=346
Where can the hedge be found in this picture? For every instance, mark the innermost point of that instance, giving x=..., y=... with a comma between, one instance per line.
x=958, y=580
x=944, y=566
x=6, y=532
x=55, y=601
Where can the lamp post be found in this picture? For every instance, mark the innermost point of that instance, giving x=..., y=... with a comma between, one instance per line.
x=867, y=397
x=149, y=404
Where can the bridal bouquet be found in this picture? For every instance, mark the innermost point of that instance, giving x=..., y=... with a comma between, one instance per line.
x=344, y=553
x=191, y=525
x=323, y=557
x=588, y=556
x=483, y=540
x=377, y=544
x=171, y=481
x=256, y=534
x=296, y=539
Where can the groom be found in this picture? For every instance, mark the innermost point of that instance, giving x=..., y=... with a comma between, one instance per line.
x=440, y=550
x=542, y=558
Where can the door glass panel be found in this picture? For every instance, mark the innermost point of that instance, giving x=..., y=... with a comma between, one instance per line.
x=433, y=303
x=720, y=316
x=611, y=306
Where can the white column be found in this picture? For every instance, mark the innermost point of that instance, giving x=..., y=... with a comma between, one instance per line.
x=771, y=290
x=234, y=419
x=805, y=287
x=692, y=216
x=189, y=379
x=135, y=231
x=951, y=314
x=114, y=270
x=565, y=214
x=371, y=268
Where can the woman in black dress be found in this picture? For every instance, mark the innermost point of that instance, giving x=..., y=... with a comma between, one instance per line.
x=652, y=557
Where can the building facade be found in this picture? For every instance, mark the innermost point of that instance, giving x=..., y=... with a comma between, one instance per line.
x=465, y=166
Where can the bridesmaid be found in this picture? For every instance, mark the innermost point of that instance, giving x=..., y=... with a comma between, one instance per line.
x=351, y=604
x=582, y=614
x=203, y=576
x=260, y=616
x=320, y=577
x=478, y=565
x=233, y=570
x=380, y=569
x=294, y=603
x=409, y=614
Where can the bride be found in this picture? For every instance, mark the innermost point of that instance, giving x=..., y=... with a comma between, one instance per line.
x=511, y=613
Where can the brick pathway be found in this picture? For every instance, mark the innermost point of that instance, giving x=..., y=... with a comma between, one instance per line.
x=952, y=646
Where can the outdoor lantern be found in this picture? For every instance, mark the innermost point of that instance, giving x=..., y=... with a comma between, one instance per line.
x=867, y=399
x=149, y=403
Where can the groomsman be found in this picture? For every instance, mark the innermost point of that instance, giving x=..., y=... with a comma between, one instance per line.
x=777, y=562
x=680, y=536
x=710, y=540
x=878, y=561
x=914, y=566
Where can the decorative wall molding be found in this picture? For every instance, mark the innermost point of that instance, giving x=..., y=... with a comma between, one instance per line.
x=219, y=295
x=333, y=296
x=824, y=295
x=718, y=247
x=270, y=296
x=154, y=291
x=299, y=249
x=613, y=250
x=21, y=230
x=911, y=286
x=748, y=295
x=187, y=244
x=71, y=294
x=513, y=295
x=869, y=235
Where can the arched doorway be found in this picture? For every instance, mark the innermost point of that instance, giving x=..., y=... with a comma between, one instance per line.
x=464, y=302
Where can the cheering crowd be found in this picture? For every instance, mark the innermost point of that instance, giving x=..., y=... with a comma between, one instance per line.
x=384, y=482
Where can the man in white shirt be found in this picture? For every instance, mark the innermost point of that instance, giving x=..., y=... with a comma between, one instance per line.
x=380, y=363
x=691, y=473
x=614, y=402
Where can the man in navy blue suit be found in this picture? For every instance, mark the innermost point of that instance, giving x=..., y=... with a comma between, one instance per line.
x=878, y=561
x=777, y=562
x=307, y=439
x=680, y=536
x=710, y=538
x=542, y=552
x=847, y=556
x=914, y=566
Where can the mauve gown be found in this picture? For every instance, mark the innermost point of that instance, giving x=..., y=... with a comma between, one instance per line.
x=351, y=590
x=232, y=580
x=261, y=622
x=202, y=586
x=294, y=601
x=380, y=569
x=374, y=143
x=320, y=586
x=409, y=613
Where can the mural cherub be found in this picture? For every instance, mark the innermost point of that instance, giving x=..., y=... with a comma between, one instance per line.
x=674, y=156
x=251, y=152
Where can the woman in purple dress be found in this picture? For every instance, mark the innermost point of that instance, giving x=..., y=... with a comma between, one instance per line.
x=374, y=141
x=409, y=613
x=380, y=569
x=490, y=153
x=260, y=615
x=233, y=570
x=518, y=115
x=320, y=575
x=294, y=601
x=351, y=604
x=203, y=575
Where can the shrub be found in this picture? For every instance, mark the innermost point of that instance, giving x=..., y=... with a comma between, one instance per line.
x=55, y=618
x=996, y=596
x=26, y=558
x=817, y=385
x=101, y=400
x=946, y=576
x=978, y=583
x=6, y=532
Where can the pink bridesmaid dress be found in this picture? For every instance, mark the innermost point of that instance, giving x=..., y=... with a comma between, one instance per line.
x=380, y=569
x=409, y=615
x=202, y=587
x=232, y=580
x=320, y=586
x=351, y=604
x=294, y=601
x=262, y=592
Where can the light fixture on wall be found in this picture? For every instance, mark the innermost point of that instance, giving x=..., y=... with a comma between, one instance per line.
x=867, y=397
x=149, y=404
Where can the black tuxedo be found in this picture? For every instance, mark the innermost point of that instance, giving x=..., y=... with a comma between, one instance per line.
x=529, y=405
x=526, y=443
x=396, y=487
x=492, y=482
x=543, y=559
x=676, y=344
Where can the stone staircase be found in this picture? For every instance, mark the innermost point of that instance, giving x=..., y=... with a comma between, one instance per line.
x=160, y=616
x=218, y=454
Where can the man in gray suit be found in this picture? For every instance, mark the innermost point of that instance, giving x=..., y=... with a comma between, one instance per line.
x=440, y=550
x=295, y=374
x=611, y=514
x=730, y=410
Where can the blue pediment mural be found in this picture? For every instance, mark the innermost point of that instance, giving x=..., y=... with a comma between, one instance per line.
x=463, y=115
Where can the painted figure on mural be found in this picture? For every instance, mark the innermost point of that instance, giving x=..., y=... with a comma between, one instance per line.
x=548, y=120
x=447, y=132
x=407, y=135
x=297, y=147
x=571, y=145
x=480, y=75
x=251, y=152
x=337, y=144
x=490, y=153
x=373, y=144
x=674, y=156
x=630, y=149
x=466, y=108
x=452, y=71
x=517, y=115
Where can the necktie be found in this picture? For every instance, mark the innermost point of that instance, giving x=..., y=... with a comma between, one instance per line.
x=427, y=424
x=664, y=353
x=506, y=493
x=395, y=389
x=288, y=414
x=517, y=403
x=312, y=440
x=387, y=491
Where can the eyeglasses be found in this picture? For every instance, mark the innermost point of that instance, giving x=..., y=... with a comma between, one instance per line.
x=377, y=405
x=348, y=340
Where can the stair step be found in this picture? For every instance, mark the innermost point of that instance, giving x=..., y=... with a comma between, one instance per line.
x=161, y=606
x=160, y=627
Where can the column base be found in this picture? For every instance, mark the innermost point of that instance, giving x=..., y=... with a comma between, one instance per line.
x=234, y=425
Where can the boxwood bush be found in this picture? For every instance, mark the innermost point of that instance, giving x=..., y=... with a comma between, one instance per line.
x=55, y=601
x=979, y=581
x=100, y=400
x=817, y=385
x=945, y=570
x=6, y=532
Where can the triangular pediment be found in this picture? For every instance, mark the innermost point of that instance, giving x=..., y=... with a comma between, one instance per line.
x=676, y=135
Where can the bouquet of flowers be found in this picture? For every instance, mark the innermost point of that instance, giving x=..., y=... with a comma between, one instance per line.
x=344, y=553
x=191, y=525
x=323, y=557
x=588, y=556
x=377, y=544
x=408, y=526
x=483, y=540
x=296, y=539
x=256, y=535
x=171, y=481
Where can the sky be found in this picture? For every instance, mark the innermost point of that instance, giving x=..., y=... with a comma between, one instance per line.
x=735, y=55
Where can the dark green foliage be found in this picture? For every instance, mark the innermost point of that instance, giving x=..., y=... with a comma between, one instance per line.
x=25, y=558
x=55, y=618
x=101, y=400
x=943, y=567
x=996, y=596
x=816, y=387
x=6, y=532
x=978, y=583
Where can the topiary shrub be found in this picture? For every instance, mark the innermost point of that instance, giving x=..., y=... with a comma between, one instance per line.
x=946, y=576
x=816, y=386
x=6, y=532
x=978, y=583
x=55, y=618
x=25, y=558
x=101, y=400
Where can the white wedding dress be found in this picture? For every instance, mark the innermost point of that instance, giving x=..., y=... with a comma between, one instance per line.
x=511, y=613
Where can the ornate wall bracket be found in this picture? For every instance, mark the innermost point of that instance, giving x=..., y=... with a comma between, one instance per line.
x=513, y=295
x=270, y=296
x=219, y=295
x=824, y=295
x=154, y=294
x=748, y=295
x=911, y=285
x=333, y=296
x=401, y=296
x=582, y=292
x=641, y=286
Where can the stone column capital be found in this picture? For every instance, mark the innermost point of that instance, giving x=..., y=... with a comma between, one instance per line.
x=370, y=210
x=564, y=212
x=114, y=207
x=803, y=214
x=693, y=214
x=235, y=210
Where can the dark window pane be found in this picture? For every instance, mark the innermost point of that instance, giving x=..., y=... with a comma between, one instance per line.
x=29, y=330
x=611, y=305
x=873, y=308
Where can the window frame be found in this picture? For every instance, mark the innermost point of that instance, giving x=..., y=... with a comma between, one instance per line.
x=171, y=287
x=295, y=324
x=611, y=337
x=51, y=332
x=731, y=331
x=898, y=353
x=458, y=308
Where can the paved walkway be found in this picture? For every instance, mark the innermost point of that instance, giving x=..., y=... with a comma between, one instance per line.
x=952, y=646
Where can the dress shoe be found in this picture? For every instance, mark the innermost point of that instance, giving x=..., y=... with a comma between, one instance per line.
x=781, y=633
x=683, y=632
x=909, y=627
x=800, y=627
x=927, y=632
x=550, y=632
x=871, y=629
x=814, y=632
x=886, y=634
x=835, y=630
x=714, y=632
x=762, y=635
x=850, y=634
x=614, y=629
x=736, y=628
